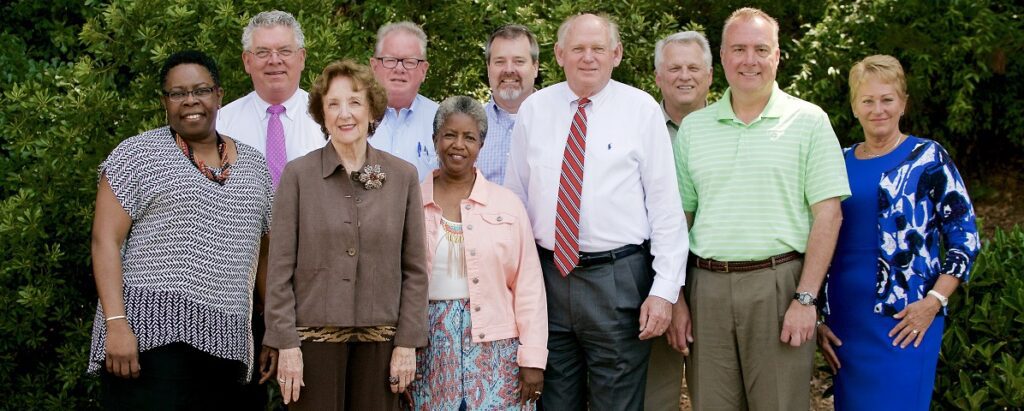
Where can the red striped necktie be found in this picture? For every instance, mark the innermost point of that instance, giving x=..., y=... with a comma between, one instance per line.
x=570, y=191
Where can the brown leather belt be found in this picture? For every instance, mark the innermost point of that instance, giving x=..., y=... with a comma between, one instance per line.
x=743, y=266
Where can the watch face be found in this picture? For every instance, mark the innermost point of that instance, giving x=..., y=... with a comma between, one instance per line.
x=804, y=298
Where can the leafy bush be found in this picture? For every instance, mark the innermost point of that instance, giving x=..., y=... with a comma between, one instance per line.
x=957, y=58
x=981, y=366
x=77, y=77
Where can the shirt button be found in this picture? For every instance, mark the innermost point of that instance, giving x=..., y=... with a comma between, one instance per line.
x=468, y=206
x=477, y=308
x=476, y=280
x=481, y=336
x=472, y=252
x=499, y=219
x=351, y=251
x=469, y=227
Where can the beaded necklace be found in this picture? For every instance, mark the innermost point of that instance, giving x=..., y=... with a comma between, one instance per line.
x=456, y=254
x=218, y=176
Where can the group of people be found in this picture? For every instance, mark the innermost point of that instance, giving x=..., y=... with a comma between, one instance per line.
x=567, y=248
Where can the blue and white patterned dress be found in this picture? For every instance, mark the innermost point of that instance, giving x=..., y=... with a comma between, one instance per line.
x=905, y=205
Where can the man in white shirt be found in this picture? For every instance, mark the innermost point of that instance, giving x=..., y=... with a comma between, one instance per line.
x=274, y=118
x=400, y=64
x=590, y=159
x=682, y=71
x=512, y=63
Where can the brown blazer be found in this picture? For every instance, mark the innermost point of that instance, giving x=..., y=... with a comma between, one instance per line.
x=345, y=256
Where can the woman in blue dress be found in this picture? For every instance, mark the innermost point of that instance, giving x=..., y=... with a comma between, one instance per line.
x=889, y=284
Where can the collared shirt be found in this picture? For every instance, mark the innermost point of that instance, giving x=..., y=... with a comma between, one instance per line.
x=494, y=155
x=673, y=128
x=506, y=286
x=408, y=134
x=246, y=119
x=629, y=186
x=751, y=187
x=344, y=255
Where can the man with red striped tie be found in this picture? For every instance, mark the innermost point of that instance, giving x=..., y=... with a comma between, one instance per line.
x=592, y=162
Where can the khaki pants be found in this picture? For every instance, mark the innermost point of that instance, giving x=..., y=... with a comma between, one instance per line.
x=737, y=361
x=664, y=377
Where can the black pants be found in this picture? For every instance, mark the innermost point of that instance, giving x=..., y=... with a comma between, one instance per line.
x=176, y=377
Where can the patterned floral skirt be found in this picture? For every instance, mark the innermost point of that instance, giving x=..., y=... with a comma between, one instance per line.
x=459, y=374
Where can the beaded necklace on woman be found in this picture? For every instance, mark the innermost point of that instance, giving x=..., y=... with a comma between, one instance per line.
x=218, y=176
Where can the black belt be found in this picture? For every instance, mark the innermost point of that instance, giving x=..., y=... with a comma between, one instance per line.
x=598, y=258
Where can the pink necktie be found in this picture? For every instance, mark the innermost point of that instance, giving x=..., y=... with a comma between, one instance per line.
x=277, y=154
x=570, y=190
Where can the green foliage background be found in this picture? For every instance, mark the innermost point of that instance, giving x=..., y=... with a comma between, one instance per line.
x=77, y=77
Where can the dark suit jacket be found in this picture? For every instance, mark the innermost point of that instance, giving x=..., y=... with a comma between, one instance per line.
x=346, y=256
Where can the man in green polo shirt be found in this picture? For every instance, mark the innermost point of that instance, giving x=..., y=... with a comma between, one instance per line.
x=761, y=175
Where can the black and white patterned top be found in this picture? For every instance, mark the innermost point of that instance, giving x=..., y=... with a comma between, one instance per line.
x=190, y=256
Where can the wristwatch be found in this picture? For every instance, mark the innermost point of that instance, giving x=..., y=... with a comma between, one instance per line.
x=938, y=296
x=805, y=298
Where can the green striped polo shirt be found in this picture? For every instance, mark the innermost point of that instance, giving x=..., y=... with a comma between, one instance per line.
x=751, y=187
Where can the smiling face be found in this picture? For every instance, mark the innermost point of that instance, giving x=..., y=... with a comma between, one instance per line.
x=683, y=76
x=511, y=70
x=193, y=118
x=346, y=111
x=878, y=106
x=457, y=143
x=587, y=55
x=275, y=77
x=750, y=58
x=401, y=83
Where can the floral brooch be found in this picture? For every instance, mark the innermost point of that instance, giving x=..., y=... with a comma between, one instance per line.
x=371, y=177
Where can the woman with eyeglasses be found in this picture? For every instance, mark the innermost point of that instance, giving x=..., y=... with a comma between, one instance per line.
x=181, y=213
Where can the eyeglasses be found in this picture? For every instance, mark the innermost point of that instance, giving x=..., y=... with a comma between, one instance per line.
x=392, y=62
x=178, y=96
x=264, y=54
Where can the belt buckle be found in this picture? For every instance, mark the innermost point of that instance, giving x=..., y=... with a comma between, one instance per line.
x=726, y=265
x=773, y=261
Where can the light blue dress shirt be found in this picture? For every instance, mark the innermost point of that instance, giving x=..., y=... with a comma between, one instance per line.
x=493, y=156
x=407, y=134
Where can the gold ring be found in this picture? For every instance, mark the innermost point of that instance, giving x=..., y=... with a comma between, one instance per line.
x=537, y=392
x=914, y=331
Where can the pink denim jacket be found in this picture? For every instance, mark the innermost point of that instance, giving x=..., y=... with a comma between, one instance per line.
x=506, y=287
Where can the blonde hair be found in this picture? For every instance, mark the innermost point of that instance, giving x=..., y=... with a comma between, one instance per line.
x=747, y=14
x=881, y=67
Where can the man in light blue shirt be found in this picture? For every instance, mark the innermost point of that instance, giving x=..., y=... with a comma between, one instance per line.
x=512, y=64
x=400, y=65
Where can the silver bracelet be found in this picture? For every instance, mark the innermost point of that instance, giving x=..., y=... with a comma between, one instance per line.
x=116, y=317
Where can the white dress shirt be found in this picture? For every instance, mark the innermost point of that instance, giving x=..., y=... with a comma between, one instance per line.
x=245, y=120
x=408, y=134
x=630, y=192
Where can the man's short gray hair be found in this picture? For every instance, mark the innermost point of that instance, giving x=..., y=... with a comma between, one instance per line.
x=461, y=105
x=406, y=26
x=512, y=32
x=613, y=29
x=682, y=37
x=269, y=19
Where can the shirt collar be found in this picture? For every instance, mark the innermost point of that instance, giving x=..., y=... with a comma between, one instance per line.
x=771, y=110
x=292, y=106
x=668, y=119
x=596, y=100
x=416, y=102
x=330, y=163
x=478, y=195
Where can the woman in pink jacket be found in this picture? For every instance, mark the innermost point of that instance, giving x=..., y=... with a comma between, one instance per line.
x=487, y=315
